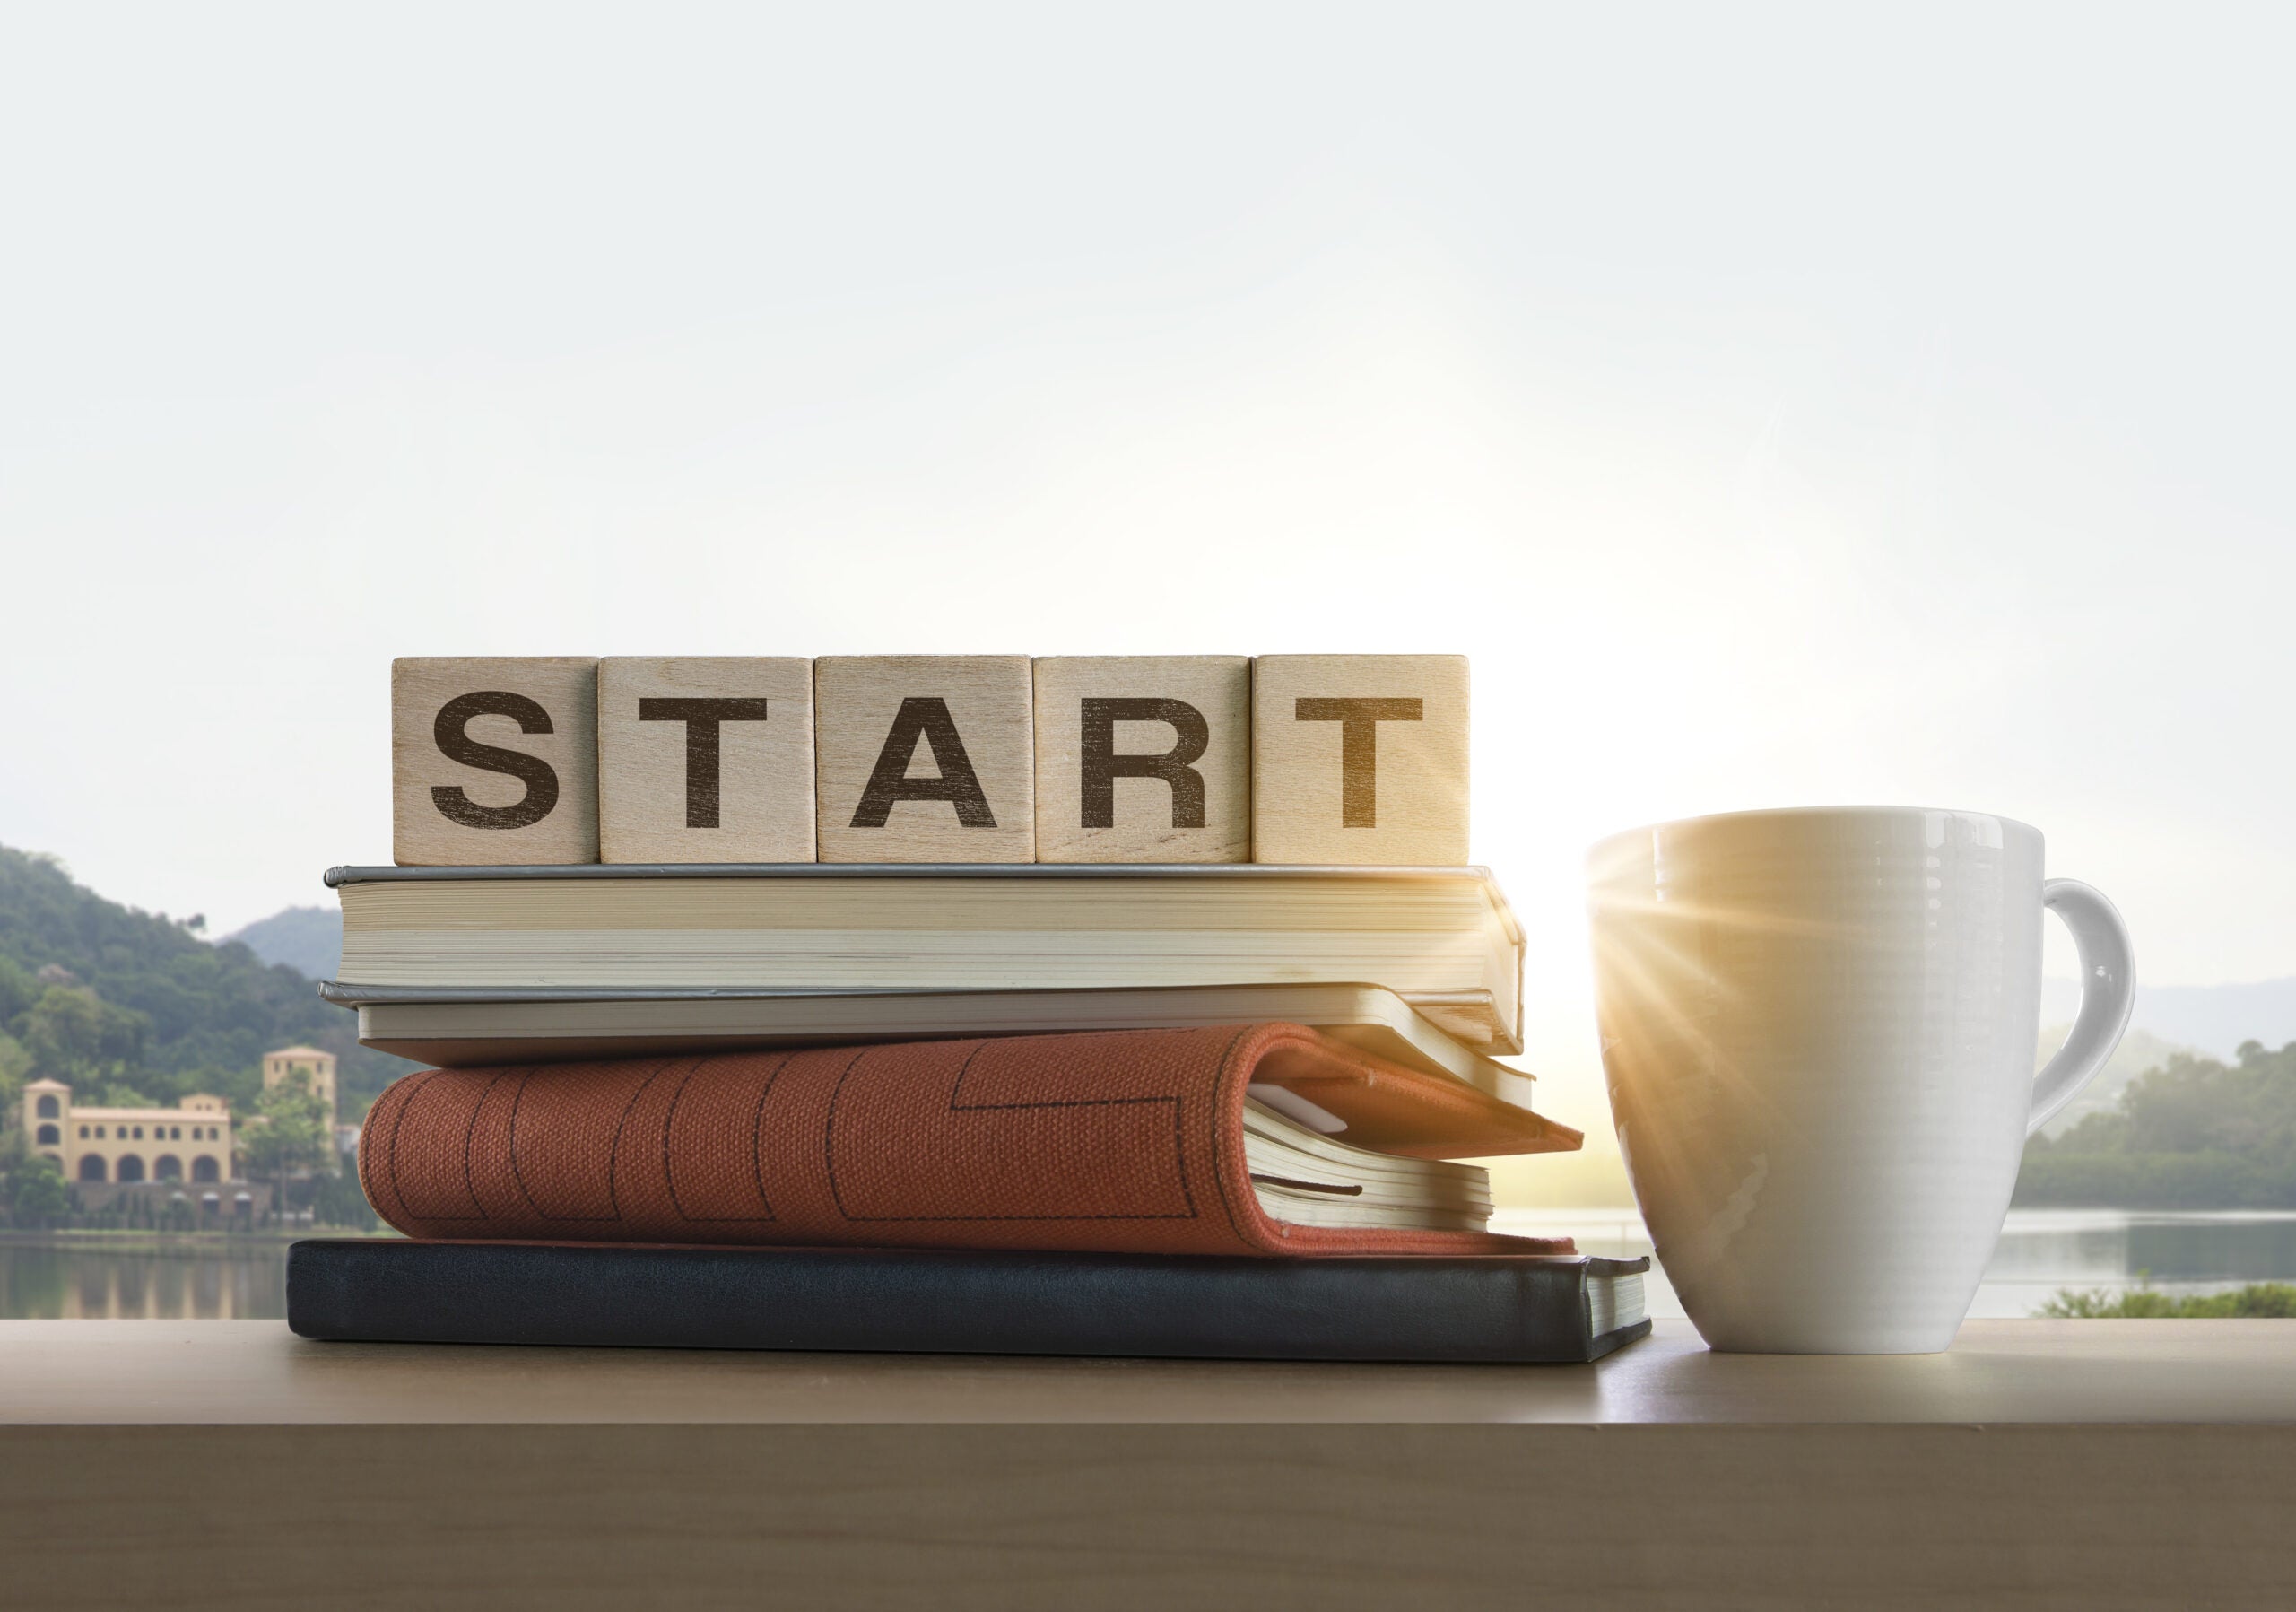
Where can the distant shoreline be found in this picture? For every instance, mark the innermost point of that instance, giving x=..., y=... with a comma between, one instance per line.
x=124, y=1241
x=2151, y=1180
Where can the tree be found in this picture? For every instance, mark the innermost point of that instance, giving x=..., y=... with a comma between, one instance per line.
x=340, y=1202
x=15, y=1068
x=32, y=1190
x=75, y=1035
x=38, y=1197
x=2194, y=1133
x=288, y=1133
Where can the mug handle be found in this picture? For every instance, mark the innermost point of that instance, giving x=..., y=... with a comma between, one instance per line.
x=2108, y=995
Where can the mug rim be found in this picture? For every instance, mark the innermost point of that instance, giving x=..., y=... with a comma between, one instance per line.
x=1809, y=811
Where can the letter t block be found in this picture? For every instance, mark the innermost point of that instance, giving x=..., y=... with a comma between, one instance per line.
x=1360, y=759
x=706, y=759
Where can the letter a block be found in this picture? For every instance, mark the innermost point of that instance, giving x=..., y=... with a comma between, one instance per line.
x=1360, y=759
x=494, y=761
x=1143, y=758
x=706, y=759
x=925, y=758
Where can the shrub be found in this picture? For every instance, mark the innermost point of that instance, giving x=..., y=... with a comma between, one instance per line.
x=2257, y=1300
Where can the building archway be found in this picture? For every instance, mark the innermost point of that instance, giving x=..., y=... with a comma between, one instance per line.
x=48, y=1109
x=167, y=1167
x=50, y=1136
x=91, y=1166
x=203, y=1169
x=131, y=1167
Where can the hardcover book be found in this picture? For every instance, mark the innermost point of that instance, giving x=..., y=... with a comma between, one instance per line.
x=1442, y=940
x=1233, y=1139
x=1512, y=1310
x=480, y=1026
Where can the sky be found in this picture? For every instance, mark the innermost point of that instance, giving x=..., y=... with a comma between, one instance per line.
x=1788, y=406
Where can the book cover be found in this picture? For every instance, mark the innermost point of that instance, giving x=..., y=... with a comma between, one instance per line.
x=1121, y=1142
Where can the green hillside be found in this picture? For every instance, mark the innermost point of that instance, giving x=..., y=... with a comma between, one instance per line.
x=133, y=1007
x=2192, y=1134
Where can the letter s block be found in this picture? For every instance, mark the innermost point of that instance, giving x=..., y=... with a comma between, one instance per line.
x=924, y=758
x=1143, y=758
x=494, y=761
x=1360, y=759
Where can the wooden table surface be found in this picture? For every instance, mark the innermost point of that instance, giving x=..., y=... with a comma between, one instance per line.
x=2036, y=1464
x=1998, y=1372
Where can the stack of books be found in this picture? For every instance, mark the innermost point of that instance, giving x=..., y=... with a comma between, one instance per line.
x=1155, y=1108
x=1020, y=1067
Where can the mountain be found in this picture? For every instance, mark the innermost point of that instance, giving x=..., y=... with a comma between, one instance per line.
x=306, y=939
x=2214, y=1018
x=135, y=1005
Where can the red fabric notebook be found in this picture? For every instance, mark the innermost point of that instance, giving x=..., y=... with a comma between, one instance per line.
x=1112, y=1142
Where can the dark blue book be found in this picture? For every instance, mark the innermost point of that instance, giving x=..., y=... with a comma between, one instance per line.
x=1501, y=1309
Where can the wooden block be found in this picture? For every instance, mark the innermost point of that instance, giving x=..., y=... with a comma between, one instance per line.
x=1360, y=759
x=494, y=759
x=925, y=758
x=706, y=760
x=1143, y=758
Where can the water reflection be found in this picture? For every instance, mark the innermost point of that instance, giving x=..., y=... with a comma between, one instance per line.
x=148, y=1279
x=2041, y=1252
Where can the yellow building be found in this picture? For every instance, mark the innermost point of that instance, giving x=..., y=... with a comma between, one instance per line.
x=190, y=1142
x=290, y=1061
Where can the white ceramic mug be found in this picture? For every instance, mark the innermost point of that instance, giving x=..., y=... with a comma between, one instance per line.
x=1818, y=1028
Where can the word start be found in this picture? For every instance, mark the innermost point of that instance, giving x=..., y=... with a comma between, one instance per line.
x=1294, y=759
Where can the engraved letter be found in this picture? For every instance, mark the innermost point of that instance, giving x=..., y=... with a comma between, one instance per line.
x=888, y=780
x=455, y=745
x=701, y=718
x=1102, y=766
x=1359, y=749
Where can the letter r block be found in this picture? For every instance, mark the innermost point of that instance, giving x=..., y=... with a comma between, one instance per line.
x=706, y=759
x=494, y=761
x=1360, y=759
x=1143, y=758
x=924, y=758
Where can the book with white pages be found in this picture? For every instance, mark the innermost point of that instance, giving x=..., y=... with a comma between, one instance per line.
x=1441, y=940
x=1303, y=1175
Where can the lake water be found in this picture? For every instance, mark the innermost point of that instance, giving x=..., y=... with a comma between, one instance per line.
x=2041, y=1251
x=161, y=1278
